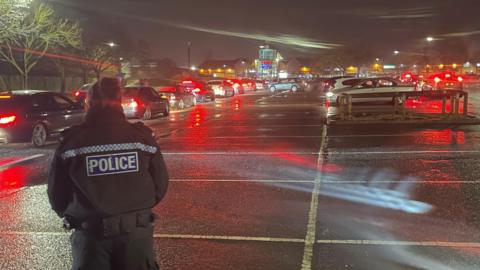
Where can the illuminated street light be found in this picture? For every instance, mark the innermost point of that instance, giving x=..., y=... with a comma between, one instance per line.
x=396, y=52
x=430, y=39
x=193, y=68
x=111, y=44
x=377, y=59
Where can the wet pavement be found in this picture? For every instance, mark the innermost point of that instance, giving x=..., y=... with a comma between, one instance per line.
x=258, y=182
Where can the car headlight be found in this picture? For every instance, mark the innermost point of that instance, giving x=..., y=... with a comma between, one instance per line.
x=329, y=94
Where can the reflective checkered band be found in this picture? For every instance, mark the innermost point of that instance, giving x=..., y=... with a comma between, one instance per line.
x=109, y=148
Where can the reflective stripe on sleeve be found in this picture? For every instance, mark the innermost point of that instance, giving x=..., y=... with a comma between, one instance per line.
x=109, y=148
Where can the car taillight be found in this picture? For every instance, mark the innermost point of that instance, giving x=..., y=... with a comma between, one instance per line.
x=8, y=119
x=77, y=93
x=133, y=104
x=196, y=90
x=236, y=85
x=187, y=82
x=448, y=75
x=173, y=97
x=460, y=79
x=437, y=80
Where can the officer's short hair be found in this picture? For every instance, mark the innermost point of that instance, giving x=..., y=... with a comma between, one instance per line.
x=105, y=92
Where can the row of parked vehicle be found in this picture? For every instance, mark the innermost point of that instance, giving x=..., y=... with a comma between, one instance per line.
x=336, y=86
x=37, y=116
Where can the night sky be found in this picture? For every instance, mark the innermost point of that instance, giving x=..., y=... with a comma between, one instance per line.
x=230, y=28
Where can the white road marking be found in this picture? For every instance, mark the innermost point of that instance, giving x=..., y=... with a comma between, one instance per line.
x=312, y=214
x=231, y=238
x=242, y=137
x=344, y=153
x=10, y=164
x=378, y=135
x=329, y=181
x=244, y=180
x=337, y=153
x=273, y=239
x=401, y=243
x=246, y=153
x=401, y=181
x=255, y=126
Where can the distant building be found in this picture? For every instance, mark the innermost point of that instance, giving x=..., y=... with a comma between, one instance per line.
x=267, y=64
x=236, y=68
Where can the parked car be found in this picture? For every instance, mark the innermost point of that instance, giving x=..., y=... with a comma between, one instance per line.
x=260, y=84
x=178, y=96
x=144, y=102
x=443, y=81
x=369, y=85
x=36, y=116
x=237, y=86
x=202, y=91
x=221, y=88
x=340, y=82
x=248, y=85
x=81, y=93
x=284, y=84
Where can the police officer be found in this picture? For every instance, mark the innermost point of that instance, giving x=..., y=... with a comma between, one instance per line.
x=106, y=176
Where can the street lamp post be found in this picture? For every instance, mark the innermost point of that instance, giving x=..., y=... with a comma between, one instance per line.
x=189, y=46
x=429, y=40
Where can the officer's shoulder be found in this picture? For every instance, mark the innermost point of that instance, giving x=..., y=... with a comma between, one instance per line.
x=140, y=126
x=70, y=132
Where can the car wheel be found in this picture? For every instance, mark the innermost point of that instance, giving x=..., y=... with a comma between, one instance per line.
x=39, y=135
x=273, y=89
x=167, y=110
x=147, y=115
x=294, y=88
x=181, y=104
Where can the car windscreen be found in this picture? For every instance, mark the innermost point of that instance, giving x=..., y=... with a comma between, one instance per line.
x=351, y=82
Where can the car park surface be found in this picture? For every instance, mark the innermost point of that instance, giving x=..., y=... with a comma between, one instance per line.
x=258, y=181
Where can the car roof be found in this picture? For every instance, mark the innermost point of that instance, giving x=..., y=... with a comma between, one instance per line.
x=28, y=92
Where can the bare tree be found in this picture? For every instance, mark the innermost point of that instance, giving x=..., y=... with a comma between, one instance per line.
x=101, y=57
x=29, y=32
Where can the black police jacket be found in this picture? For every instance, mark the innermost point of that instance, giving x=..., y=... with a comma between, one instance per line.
x=106, y=166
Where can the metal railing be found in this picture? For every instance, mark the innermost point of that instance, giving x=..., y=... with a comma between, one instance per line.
x=399, y=102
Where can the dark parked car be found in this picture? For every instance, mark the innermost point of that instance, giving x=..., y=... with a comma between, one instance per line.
x=178, y=96
x=36, y=116
x=144, y=102
x=81, y=93
x=202, y=91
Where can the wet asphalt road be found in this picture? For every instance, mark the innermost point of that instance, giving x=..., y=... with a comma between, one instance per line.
x=258, y=182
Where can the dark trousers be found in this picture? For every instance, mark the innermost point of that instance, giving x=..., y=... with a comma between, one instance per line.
x=132, y=251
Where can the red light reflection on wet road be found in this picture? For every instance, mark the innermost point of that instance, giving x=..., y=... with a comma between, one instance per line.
x=13, y=178
x=439, y=137
x=424, y=105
